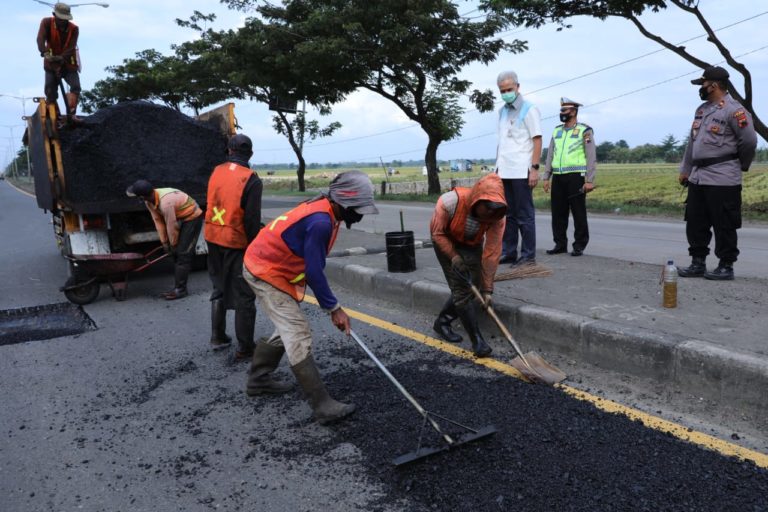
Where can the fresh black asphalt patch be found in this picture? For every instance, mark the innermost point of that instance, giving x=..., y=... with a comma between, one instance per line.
x=43, y=322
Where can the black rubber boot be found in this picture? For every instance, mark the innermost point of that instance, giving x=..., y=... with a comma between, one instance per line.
x=723, y=272
x=326, y=410
x=219, y=338
x=697, y=268
x=245, y=324
x=442, y=325
x=468, y=316
x=266, y=359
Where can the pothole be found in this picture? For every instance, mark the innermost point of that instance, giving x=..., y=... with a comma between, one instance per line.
x=43, y=322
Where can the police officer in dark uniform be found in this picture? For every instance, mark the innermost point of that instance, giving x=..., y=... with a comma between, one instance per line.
x=721, y=146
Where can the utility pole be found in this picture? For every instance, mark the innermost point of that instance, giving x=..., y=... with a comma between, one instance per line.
x=23, y=100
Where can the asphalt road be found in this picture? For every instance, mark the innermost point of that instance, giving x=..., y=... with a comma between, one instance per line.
x=139, y=415
x=629, y=239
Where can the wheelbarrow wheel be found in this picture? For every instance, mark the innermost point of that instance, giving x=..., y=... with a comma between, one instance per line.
x=81, y=293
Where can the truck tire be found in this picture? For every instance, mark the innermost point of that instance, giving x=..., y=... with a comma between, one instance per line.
x=83, y=294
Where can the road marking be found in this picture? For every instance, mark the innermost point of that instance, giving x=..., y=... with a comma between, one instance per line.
x=18, y=189
x=650, y=421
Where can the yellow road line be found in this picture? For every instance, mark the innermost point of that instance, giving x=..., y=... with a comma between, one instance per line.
x=650, y=421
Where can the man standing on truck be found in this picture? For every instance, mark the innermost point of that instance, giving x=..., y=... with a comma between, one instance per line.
x=57, y=44
x=232, y=221
x=282, y=260
x=178, y=220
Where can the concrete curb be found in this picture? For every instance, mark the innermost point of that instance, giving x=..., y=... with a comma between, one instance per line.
x=692, y=366
x=362, y=251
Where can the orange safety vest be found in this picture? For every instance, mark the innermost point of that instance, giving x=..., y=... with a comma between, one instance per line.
x=224, y=217
x=188, y=209
x=459, y=220
x=55, y=44
x=270, y=259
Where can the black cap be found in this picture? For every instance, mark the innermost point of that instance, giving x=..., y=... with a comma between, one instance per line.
x=240, y=143
x=713, y=74
x=141, y=188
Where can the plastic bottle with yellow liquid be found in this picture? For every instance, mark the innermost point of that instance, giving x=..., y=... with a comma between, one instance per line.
x=669, y=285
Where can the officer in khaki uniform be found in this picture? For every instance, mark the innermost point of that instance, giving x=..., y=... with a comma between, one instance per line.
x=721, y=146
x=571, y=165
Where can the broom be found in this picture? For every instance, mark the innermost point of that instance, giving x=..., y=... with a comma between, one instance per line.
x=523, y=271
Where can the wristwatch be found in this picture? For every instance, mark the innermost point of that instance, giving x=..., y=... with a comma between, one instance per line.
x=535, y=167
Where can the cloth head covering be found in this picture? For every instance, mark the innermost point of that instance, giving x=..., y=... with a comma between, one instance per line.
x=353, y=189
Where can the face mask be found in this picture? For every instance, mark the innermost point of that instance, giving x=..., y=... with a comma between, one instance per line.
x=509, y=97
x=350, y=216
x=564, y=117
x=703, y=93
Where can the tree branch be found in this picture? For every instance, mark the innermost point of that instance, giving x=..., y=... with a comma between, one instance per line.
x=725, y=52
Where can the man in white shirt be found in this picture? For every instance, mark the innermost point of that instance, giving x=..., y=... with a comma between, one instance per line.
x=517, y=164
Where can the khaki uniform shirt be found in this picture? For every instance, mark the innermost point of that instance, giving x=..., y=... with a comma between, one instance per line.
x=719, y=129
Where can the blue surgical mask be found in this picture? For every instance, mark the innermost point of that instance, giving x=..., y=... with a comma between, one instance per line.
x=509, y=97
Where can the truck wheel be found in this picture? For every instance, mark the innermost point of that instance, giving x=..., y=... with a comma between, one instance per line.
x=83, y=294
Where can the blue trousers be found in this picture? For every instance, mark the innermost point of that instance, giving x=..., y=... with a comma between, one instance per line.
x=521, y=220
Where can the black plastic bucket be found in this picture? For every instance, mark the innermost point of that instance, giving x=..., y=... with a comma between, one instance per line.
x=401, y=253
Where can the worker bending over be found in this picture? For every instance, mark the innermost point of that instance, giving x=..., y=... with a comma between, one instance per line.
x=287, y=255
x=467, y=228
x=178, y=220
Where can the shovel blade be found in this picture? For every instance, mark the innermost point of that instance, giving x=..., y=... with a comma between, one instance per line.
x=425, y=452
x=545, y=372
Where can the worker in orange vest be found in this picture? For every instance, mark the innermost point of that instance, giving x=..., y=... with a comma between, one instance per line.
x=286, y=256
x=57, y=44
x=232, y=221
x=178, y=220
x=467, y=228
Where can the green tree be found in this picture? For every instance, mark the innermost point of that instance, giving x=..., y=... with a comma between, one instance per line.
x=670, y=149
x=603, y=151
x=535, y=13
x=409, y=52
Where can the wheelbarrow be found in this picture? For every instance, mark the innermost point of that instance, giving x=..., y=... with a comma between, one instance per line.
x=90, y=270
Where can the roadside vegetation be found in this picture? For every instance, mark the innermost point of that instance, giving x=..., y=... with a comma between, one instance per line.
x=627, y=189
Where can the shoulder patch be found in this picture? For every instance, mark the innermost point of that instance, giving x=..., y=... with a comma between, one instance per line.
x=741, y=118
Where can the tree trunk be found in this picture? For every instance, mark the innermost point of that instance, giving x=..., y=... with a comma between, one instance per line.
x=300, y=172
x=430, y=159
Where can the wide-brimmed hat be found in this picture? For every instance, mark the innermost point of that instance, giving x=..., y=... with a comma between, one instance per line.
x=62, y=11
x=713, y=74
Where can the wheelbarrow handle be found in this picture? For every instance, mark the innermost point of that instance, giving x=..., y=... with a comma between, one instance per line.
x=400, y=388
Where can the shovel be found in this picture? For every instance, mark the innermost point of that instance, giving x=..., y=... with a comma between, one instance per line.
x=531, y=365
x=429, y=417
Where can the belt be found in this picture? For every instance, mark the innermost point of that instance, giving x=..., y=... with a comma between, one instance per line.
x=706, y=162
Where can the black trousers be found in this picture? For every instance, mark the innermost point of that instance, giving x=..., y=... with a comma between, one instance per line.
x=185, y=249
x=713, y=208
x=225, y=267
x=565, y=197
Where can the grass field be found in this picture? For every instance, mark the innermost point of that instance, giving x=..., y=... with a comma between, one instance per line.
x=634, y=189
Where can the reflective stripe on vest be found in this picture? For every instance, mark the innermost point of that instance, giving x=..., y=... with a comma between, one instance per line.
x=187, y=209
x=270, y=259
x=462, y=224
x=224, y=217
x=568, y=155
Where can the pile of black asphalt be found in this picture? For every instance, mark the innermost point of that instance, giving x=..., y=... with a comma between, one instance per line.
x=551, y=451
x=134, y=140
x=43, y=322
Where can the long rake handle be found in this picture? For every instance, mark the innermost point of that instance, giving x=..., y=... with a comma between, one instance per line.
x=503, y=329
x=400, y=387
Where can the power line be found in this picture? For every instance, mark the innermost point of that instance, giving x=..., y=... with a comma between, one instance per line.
x=628, y=93
x=515, y=31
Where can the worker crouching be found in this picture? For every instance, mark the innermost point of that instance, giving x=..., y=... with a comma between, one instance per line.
x=287, y=255
x=178, y=220
x=467, y=229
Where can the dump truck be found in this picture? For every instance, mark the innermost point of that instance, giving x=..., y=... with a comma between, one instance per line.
x=81, y=172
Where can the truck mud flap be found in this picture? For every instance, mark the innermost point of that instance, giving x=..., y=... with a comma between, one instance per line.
x=43, y=322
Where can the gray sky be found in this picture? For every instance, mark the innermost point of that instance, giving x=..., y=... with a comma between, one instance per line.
x=653, y=98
